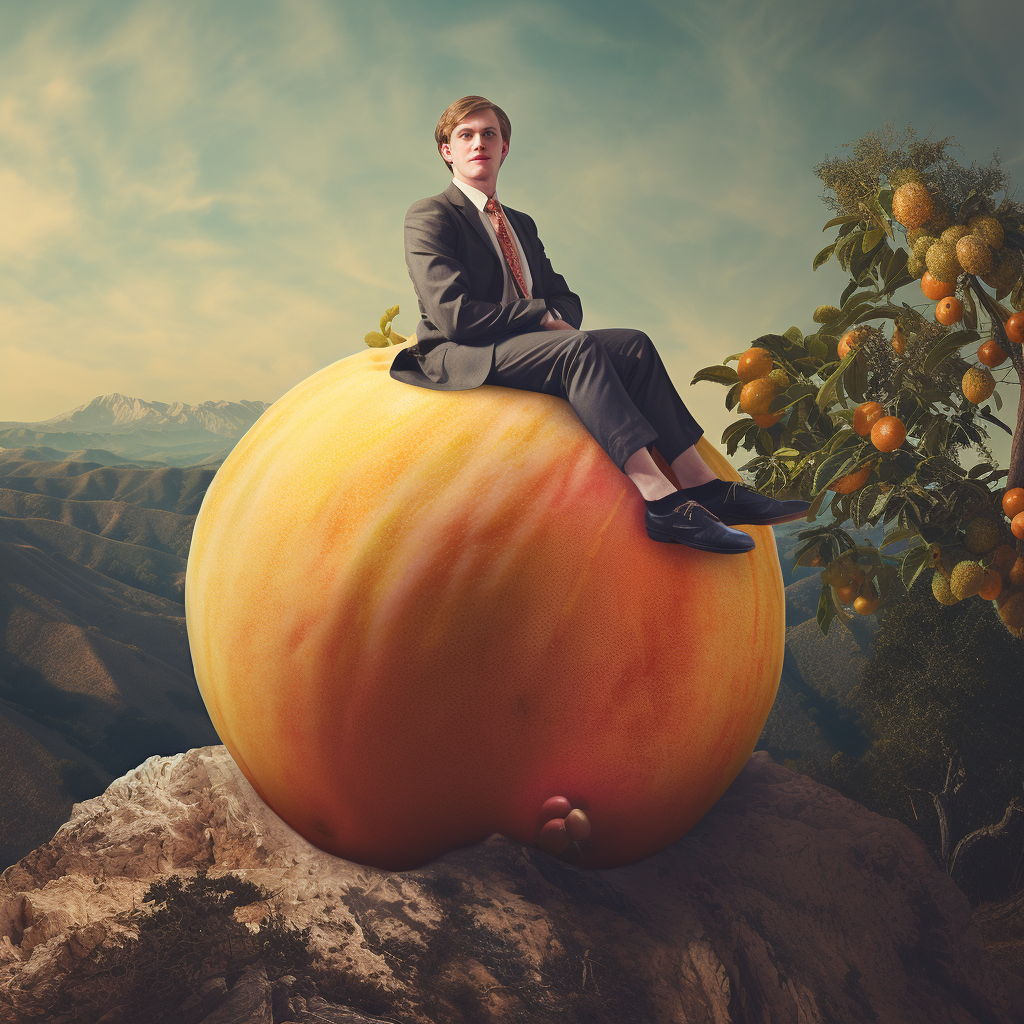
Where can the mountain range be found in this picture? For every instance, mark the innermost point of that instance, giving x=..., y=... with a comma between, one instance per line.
x=119, y=428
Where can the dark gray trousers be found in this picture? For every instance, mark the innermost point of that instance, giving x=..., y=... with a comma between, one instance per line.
x=614, y=379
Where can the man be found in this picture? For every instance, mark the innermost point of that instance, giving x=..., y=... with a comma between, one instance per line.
x=493, y=311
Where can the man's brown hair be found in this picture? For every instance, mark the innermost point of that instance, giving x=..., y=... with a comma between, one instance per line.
x=459, y=111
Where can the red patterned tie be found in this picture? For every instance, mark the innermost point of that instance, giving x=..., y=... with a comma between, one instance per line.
x=493, y=208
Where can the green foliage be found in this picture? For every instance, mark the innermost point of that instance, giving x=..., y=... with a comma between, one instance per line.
x=385, y=336
x=854, y=180
x=919, y=492
x=944, y=690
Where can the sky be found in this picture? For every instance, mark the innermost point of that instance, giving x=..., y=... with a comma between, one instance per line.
x=204, y=201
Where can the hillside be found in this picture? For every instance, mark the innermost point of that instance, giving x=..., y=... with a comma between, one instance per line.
x=95, y=673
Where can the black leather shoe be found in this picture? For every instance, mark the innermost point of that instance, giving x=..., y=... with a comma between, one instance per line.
x=693, y=525
x=737, y=505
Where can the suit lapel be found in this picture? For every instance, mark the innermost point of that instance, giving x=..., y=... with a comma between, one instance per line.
x=460, y=201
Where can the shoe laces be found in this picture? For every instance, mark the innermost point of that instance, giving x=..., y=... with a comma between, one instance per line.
x=688, y=508
x=733, y=488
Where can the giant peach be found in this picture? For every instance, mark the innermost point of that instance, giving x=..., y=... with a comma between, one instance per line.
x=416, y=616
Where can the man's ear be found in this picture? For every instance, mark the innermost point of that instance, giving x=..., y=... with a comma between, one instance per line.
x=446, y=152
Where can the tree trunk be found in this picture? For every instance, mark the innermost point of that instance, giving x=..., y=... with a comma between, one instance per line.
x=942, y=800
x=1013, y=810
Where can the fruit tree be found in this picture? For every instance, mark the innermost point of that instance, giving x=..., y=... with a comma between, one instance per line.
x=871, y=415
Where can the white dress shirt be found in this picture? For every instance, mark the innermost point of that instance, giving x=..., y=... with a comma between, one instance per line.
x=479, y=200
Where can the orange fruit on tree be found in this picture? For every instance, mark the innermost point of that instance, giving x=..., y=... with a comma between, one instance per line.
x=766, y=419
x=850, y=340
x=1013, y=501
x=865, y=416
x=867, y=601
x=852, y=481
x=934, y=289
x=1016, y=573
x=1014, y=328
x=847, y=592
x=404, y=656
x=991, y=353
x=949, y=311
x=1004, y=555
x=888, y=433
x=991, y=586
x=757, y=395
x=755, y=362
x=1017, y=526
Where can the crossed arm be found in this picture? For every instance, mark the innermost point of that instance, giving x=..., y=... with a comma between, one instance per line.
x=443, y=284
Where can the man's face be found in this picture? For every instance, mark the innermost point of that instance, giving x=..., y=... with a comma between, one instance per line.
x=476, y=150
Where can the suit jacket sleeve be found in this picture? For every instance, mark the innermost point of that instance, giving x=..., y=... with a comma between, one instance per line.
x=443, y=285
x=556, y=291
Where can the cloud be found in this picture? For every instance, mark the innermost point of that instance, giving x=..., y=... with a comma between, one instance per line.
x=31, y=217
x=211, y=197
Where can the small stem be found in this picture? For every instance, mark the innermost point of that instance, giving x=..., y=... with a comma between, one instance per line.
x=1015, y=470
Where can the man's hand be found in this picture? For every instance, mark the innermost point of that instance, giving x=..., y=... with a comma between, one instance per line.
x=551, y=323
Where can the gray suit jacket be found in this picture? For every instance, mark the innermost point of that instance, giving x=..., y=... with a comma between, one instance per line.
x=459, y=282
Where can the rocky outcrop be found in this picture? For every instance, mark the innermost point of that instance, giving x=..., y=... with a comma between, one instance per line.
x=786, y=903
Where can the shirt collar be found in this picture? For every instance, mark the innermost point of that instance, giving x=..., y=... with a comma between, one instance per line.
x=478, y=198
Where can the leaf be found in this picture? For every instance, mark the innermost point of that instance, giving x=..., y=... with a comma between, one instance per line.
x=851, y=219
x=763, y=443
x=986, y=415
x=385, y=320
x=720, y=374
x=823, y=256
x=895, y=536
x=392, y=312
x=826, y=609
x=816, y=503
x=396, y=338
x=880, y=502
x=795, y=335
x=871, y=238
x=1017, y=295
x=375, y=339
x=945, y=347
x=817, y=347
x=856, y=379
x=828, y=390
x=734, y=395
x=914, y=563
x=845, y=246
x=970, y=317
x=847, y=292
x=735, y=428
x=895, y=266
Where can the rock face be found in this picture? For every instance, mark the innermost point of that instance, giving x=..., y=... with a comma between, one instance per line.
x=787, y=903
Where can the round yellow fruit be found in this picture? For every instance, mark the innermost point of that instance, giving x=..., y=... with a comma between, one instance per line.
x=912, y=204
x=415, y=616
x=978, y=385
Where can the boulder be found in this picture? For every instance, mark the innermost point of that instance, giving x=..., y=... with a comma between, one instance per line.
x=787, y=902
